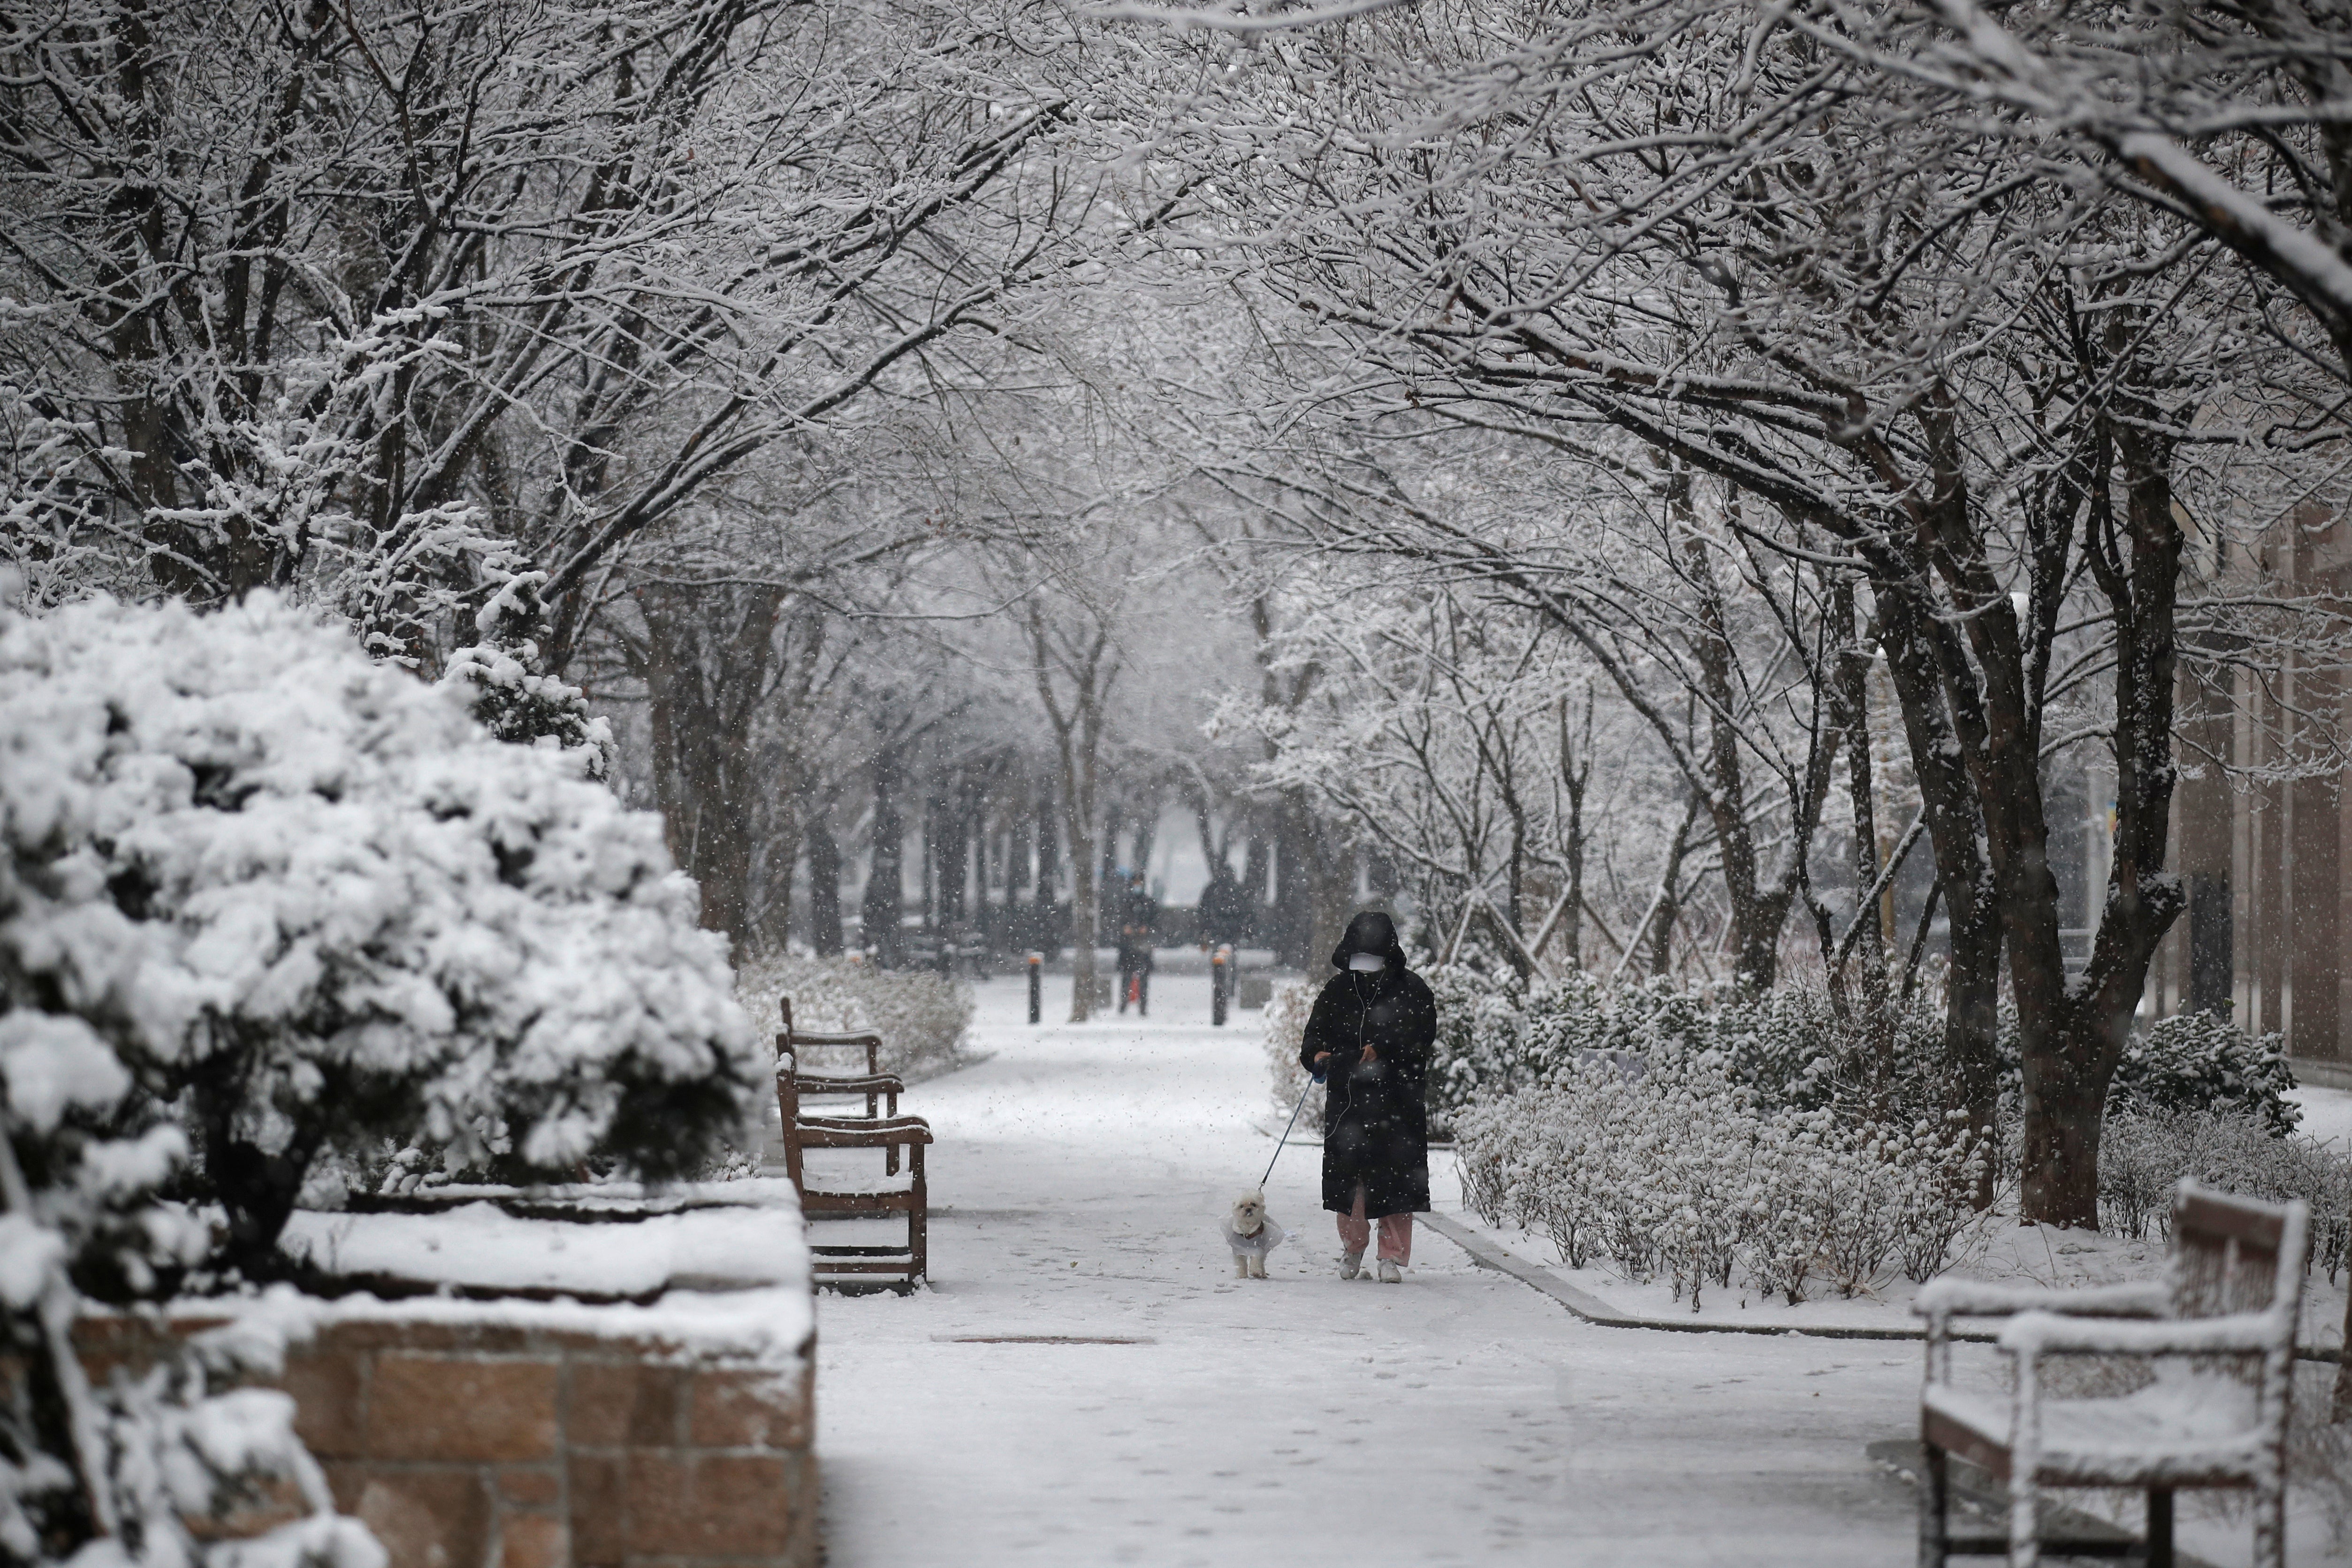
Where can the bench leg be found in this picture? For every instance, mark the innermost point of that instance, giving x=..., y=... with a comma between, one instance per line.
x=2160, y=1527
x=918, y=1263
x=788, y=1108
x=1935, y=1501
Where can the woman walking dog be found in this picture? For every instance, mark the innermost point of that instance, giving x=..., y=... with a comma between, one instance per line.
x=1369, y=1039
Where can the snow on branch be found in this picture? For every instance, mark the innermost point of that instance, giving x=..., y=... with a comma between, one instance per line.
x=1233, y=21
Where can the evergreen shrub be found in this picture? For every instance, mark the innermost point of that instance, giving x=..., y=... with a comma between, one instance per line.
x=368, y=921
x=2201, y=1061
x=138, y=1469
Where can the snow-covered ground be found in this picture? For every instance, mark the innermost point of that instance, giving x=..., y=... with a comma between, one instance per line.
x=1457, y=1418
x=2327, y=1114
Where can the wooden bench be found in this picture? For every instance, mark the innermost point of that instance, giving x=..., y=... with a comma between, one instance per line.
x=891, y=1133
x=873, y=1083
x=2215, y=1344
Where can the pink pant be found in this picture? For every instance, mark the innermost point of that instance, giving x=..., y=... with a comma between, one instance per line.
x=1396, y=1232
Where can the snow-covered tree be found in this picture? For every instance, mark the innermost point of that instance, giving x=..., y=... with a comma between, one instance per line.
x=111, y=1473
x=392, y=304
x=2231, y=118
x=1902, y=353
x=376, y=919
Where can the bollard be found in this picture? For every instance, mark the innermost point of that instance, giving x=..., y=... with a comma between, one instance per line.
x=1036, y=988
x=1219, y=984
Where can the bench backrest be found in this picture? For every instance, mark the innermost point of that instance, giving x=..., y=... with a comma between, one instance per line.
x=2230, y=1253
x=793, y=1042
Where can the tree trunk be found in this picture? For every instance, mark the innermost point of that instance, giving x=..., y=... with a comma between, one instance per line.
x=824, y=884
x=1294, y=884
x=885, y=873
x=1334, y=884
x=1757, y=916
x=779, y=852
x=1147, y=832
x=1909, y=624
x=954, y=859
x=1086, y=911
x=1107, y=864
x=1212, y=853
x=705, y=664
x=1255, y=855
x=1870, y=1011
x=1668, y=907
x=1575, y=777
x=1049, y=866
x=2070, y=1060
x=1078, y=740
x=1017, y=866
x=930, y=855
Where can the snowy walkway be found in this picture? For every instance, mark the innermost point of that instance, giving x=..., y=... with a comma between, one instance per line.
x=1458, y=1417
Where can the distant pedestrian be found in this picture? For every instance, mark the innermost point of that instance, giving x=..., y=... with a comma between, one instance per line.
x=1224, y=909
x=1369, y=1037
x=1138, y=918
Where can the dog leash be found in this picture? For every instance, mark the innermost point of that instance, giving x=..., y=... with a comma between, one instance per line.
x=1285, y=1133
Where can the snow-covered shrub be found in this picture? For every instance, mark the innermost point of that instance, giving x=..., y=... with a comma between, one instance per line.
x=381, y=921
x=2201, y=1061
x=499, y=681
x=921, y=1016
x=514, y=704
x=2144, y=1154
x=1495, y=1037
x=119, y=1473
x=1284, y=1021
x=1669, y=1166
x=1790, y=1046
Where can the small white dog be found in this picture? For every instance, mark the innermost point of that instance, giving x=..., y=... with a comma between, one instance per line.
x=1252, y=1234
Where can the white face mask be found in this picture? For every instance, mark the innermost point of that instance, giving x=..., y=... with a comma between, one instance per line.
x=1368, y=963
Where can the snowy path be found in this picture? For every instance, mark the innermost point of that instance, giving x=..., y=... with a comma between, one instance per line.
x=1458, y=1417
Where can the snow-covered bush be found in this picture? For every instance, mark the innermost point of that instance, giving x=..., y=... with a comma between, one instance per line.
x=2201, y=1061
x=1482, y=1045
x=499, y=681
x=1790, y=1048
x=514, y=704
x=1672, y=1166
x=119, y=1473
x=922, y=1017
x=1284, y=1022
x=2144, y=1154
x=380, y=922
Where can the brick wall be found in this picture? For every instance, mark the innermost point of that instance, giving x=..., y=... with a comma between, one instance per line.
x=488, y=1444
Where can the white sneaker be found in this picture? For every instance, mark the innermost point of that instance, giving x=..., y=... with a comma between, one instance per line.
x=1350, y=1265
x=1388, y=1275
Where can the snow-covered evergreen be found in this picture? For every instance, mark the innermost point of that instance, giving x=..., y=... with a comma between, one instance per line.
x=367, y=918
x=112, y=1473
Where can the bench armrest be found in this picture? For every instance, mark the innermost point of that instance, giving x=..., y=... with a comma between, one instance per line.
x=2239, y=1333
x=1984, y=1299
x=856, y=1133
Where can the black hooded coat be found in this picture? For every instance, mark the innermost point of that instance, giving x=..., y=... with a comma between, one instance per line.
x=1375, y=1120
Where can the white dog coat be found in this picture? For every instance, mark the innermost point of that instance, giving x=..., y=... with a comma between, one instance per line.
x=1269, y=1236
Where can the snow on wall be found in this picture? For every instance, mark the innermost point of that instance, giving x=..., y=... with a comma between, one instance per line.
x=476, y=1244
